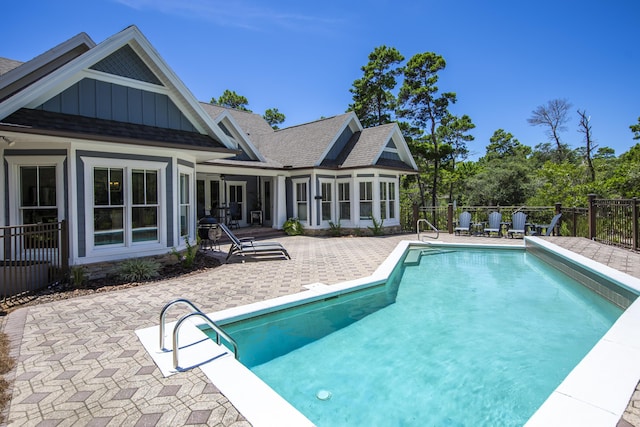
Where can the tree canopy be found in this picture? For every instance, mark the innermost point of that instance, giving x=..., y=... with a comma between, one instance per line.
x=273, y=117
x=231, y=99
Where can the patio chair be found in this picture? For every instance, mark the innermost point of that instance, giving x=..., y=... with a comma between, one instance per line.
x=248, y=245
x=464, y=223
x=234, y=215
x=495, y=226
x=518, y=224
x=548, y=228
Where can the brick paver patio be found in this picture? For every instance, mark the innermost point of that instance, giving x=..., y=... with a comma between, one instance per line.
x=80, y=363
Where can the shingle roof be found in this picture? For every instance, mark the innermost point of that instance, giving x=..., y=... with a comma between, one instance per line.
x=110, y=129
x=251, y=123
x=7, y=65
x=303, y=145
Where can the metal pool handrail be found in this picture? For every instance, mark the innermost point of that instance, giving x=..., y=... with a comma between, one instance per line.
x=430, y=225
x=196, y=312
x=212, y=324
x=163, y=314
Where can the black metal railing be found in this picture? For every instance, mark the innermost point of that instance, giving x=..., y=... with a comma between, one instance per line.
x=614, y=221
x=33, y=257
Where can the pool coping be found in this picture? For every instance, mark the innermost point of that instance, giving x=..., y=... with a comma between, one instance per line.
x=580, y=398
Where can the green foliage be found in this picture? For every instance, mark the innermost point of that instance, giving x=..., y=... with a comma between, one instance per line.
x=78, y=275
x=189, y=256
x=335, y=229
x=373, y=101
x=376, y=227
x=138, y=270
x=273, y=117
x=293, y=227
x=636, y=129
x=231, y=99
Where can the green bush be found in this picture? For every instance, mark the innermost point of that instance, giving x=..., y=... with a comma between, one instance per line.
x=189, y=257
x=335, y=229
x=138, y=270
x=293, y=227
x=376, y=229
x=78, y=275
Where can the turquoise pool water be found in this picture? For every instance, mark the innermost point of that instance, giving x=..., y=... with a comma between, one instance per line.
x=464, y=338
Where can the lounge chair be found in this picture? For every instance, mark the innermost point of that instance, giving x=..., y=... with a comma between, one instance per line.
x=518, y=224
x=247, y=245
x=464, y=223
x=495, y=226
x=548, y=228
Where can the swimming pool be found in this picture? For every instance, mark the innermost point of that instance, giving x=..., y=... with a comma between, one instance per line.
x=596, y=391
x=462, y=337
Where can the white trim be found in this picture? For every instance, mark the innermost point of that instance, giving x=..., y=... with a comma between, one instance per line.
x=119, y=251
x=243, y=205
x=14, y=163
x=324, y=223
x=296, y=214
x=351, y=118
x=193, y=216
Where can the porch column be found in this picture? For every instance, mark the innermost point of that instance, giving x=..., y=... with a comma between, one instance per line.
x=280, y=215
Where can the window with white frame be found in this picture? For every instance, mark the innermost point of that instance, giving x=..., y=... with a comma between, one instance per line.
x=344, y=201
x=185, y=204
x=125, y=201
x=366, y=200
x=302, y=200
x=387, y=200
x=38, y=200
x=326, y=210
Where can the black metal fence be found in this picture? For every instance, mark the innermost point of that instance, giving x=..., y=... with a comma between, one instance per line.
x=33, y=257
x=614, y=221
x=610, y=221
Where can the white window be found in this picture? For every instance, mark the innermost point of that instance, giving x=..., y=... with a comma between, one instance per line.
x=38, y=201
x=301, y=202
x=387, y=200
x=185, y=204
x=124, y=200
x=366, y=200
x=36, y=189
x=344, y=201
x=326, y=210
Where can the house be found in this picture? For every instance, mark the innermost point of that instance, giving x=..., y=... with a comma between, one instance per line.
x=108, y=138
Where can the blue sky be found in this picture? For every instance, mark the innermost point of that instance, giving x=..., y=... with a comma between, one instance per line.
x=504, y=57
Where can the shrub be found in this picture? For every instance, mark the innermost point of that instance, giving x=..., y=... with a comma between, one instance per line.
x=335, y=229
x=78, y=276
x=376, y=229
x=138, y=270
x=293, y=227
x=189, y=257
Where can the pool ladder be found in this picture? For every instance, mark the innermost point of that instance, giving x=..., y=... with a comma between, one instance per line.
x=194, y=313
x=422, y=220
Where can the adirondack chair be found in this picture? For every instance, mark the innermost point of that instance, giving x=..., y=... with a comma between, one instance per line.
x=548, y=228
x=518, y=224
x=464, y=223
x=495, y=226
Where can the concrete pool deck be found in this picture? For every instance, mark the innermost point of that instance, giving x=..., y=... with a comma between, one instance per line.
x=79, y=361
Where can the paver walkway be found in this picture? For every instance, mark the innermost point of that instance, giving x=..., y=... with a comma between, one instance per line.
x=80, y=363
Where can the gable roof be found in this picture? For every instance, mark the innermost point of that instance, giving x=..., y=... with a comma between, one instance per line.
x=251, y=123
x=22, y=75
x=303, y=145
x=85, y=65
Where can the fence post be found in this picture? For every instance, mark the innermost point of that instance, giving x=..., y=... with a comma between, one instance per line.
x=415, y=216
x=450, y=218
x=592, y=216
x=558, y=211
x=634, y=227
x=64, y=248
